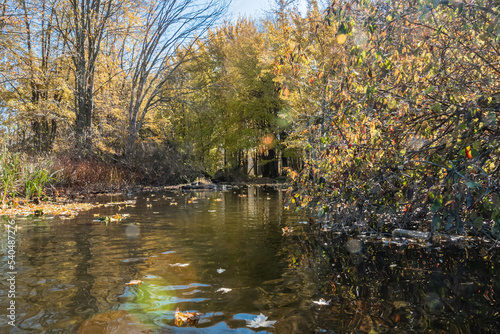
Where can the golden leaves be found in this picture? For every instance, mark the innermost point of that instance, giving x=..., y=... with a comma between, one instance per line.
x=341, y=38
x=182, y=318
x=116, y=218
x=66, y=210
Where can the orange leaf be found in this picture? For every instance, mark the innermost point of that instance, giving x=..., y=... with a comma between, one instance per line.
x=286, y=92
x=468, y=152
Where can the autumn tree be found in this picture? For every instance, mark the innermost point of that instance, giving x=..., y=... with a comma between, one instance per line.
x=35, y=89
x=83, y=26
x=400, y=110
x=167, y=28
x=234, y=102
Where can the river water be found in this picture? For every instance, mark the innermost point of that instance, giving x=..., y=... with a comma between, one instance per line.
x=225, y=256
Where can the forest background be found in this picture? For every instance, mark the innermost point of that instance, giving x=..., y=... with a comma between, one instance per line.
x=382, y=114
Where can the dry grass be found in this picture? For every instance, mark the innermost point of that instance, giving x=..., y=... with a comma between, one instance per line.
x=92, y=174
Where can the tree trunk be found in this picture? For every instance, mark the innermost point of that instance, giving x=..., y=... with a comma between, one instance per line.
x=131, y=140
x=84, y=105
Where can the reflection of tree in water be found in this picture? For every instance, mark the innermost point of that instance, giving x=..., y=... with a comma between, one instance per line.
x=50, y=289
x=397, y=287
x=83, y=300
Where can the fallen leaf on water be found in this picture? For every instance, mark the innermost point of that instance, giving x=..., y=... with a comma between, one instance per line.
x=126, y=203
x=116, y=218
x=223, y=290
x=287, y=230
x=59, y=209
x=134, y=282
x=10, y=227
x=186, y=317
x=322, y=301
x=260, y=321
x=220, y=270
x=179, y=265
x=218, y=200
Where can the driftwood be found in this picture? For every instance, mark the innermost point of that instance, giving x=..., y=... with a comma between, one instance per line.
x=399, y=232
x=199, y=186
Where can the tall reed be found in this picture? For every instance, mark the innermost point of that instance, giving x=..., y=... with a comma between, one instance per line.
x=19, y=176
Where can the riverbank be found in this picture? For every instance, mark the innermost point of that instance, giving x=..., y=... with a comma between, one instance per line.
x=67, y=202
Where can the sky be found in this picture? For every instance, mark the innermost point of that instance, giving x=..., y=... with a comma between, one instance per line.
x=253, y=8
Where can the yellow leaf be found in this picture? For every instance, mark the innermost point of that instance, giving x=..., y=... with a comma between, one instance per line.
x=341, y=38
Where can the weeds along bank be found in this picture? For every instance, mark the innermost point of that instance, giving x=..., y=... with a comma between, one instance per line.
x=35, y=178
x=24, y=177
x=40, y=177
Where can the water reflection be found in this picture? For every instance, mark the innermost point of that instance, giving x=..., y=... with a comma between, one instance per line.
x=224, y=255
x=401, y=287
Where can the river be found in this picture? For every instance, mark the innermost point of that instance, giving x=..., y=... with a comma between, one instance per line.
x=229, y=256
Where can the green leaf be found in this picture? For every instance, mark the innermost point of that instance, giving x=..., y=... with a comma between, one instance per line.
x=471, y=184
x=429, y=89
x=436, y=222
x=491, y=119
x=478, y=222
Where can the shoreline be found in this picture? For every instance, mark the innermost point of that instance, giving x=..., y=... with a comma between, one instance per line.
x=68, y=201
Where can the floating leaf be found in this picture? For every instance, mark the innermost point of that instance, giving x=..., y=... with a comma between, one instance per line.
x=134, y=282
x=182, y=318
x=260, y=321
x=224, y=290
x=182, y=265
x=220, y=270
x=322, y=302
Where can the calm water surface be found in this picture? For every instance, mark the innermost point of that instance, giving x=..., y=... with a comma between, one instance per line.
x=72, y=274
